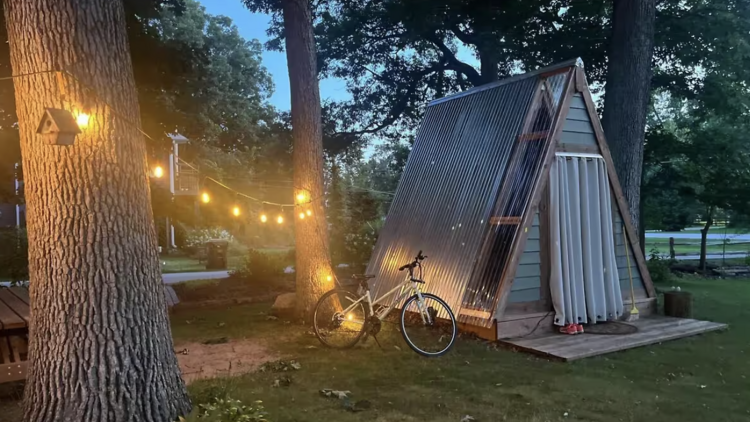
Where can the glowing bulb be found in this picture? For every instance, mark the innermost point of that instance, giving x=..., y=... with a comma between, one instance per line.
x=205, y=198
x=280, y=219
x=236, y=211
x=300, y=197
x=309, y=212
x=350, y=317
x=263, y=218
x=83, y=120
x=302, y=216
x=158, y=172
x=329, y=278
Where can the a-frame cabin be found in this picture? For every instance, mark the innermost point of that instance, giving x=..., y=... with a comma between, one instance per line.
x=511, y=192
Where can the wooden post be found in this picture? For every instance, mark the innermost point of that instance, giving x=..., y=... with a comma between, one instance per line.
x=671, y=248
x=678, y=304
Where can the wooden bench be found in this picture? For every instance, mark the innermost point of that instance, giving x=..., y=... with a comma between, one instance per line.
x=14, y=333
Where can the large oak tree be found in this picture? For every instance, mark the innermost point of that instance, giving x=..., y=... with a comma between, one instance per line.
x=100, y=344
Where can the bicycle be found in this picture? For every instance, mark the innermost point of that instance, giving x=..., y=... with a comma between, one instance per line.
x=423, y=315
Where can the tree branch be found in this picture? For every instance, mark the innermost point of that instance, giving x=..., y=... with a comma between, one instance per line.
x=453, y=63
x=463, y=36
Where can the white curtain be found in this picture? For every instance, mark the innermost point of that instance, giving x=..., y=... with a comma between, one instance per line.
x=584, y=281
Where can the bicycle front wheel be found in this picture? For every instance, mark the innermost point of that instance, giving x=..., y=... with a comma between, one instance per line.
x=428, y=325
x=339, y=322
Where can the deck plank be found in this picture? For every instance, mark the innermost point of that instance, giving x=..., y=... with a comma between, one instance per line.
x=651, y=330
x=16, y=305
x=21, y=293
x=9, y=320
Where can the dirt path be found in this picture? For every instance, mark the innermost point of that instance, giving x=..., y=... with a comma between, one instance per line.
x=233, y=358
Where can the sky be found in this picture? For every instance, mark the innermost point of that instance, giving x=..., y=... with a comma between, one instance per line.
x=254, y=25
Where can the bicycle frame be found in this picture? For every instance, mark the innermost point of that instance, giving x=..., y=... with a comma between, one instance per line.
x=404, y=294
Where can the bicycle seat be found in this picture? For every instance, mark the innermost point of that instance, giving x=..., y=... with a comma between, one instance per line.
x=362, y=276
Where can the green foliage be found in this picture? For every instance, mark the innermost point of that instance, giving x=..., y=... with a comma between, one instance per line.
x=658, y=267
x=260, y=269
x=14, y=255
x=229, y=410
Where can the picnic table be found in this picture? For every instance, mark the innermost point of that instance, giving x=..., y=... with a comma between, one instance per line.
x=14, y=333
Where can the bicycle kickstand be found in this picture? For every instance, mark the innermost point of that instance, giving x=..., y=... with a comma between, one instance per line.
x=376, y=341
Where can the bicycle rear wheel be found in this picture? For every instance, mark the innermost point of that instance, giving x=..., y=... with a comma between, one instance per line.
x=428, y=325
x=332, y=326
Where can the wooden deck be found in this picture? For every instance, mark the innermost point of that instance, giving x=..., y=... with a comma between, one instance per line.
x=14, y=326
x=651, y=329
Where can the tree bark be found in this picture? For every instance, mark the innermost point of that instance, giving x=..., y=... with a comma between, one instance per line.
x=628, y=91
x=314, y=275
x=100, y=341
x=704, y=239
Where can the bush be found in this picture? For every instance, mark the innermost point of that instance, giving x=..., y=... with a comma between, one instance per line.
x=14, y=254
x=199, y=237
x=259, y=268
x=229, y=410
x=658, y=267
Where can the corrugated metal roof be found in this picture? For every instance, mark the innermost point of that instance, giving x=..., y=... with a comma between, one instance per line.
x=473, y=159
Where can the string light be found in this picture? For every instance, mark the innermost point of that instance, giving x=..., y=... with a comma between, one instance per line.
x=308, y=212
x=158, y=172
x=329, y=278
x=205, y=198
x=280, y=219
x=302, y=216
x=236, y=211
x=263, y=218
x=301, y=197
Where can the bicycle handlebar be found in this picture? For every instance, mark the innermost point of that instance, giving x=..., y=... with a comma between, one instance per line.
x=414, y=263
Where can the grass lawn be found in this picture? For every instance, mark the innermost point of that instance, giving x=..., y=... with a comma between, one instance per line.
x=695, y=379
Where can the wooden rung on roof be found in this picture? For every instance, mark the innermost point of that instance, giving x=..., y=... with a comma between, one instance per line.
x=505, y=221
x=533, y=136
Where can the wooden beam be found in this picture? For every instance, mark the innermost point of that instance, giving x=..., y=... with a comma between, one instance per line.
x=533, y=136
x=578, y=148
x=581, y=84
x=622, y=203
x=13, y=372
x=475, y=313
x=545, y=247
x=503, y=290
x=505, y=221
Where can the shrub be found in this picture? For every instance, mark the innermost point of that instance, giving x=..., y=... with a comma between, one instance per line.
x=198, y=237
x=229, y=410
x=259, y=268
x=658, y=267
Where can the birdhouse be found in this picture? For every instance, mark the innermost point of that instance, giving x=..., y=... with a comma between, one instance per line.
x=58, y=127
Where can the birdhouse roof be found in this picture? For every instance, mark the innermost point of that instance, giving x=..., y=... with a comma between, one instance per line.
x=62, y=121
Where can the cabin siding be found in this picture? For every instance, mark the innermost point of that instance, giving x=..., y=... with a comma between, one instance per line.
x=527, y=282
x=578, y=129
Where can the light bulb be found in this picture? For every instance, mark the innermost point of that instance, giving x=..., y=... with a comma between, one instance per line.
x=205, y=198
x=263, y=218
x=300, y=197
x=158, y=172
x=329, y=278
x=302, y=216
x=350, y=317
x=236, y=211
x=280, y=219
x=83, y=120
x=309, y=212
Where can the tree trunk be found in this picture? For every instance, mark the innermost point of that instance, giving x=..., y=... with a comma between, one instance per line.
x=628, y=91
x=313, y=268
x=100, y=341
x=704, y=238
